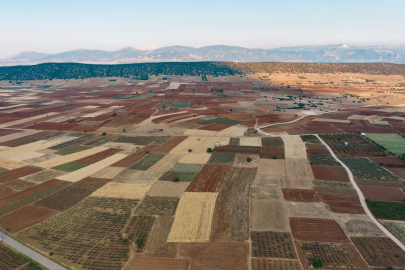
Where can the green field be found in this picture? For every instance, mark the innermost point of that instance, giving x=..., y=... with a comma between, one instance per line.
x=387, y=210
x=72, y=150
x=70, y=166
x=392, y=142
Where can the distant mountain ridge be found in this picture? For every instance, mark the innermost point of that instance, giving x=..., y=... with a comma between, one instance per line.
x=340, y=53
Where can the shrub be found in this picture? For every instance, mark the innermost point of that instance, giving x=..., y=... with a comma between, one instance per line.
x=189, y=150
x=176, y=179
x=274, y=157
x=317, y=263
x=249, y=159
x=147, y=152
x=209, y=150
x=114, y=114
x=104, y=133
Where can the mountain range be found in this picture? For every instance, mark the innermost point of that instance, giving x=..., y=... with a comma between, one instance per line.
x=340, y=53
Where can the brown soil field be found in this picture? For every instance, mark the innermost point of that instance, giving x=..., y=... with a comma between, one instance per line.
x=214, y=127
x=157, y=238
x=167, y=188
x=216, y=255
x=336, y=190
x=334, y=255
x=240, y=160
x=231, y=216
x=387, y=160
x=209, y=179
x=167, y=147
x=266, y=215
x=315, y=229
x=99, y=156
x=25, y=217
x=6, y=191
x=330, y=173
x=30, y=191
x=157, y=263
x=17, y=173
x=383, y=194
x=273, y=245
x=342, y=204
x=26, y=138
x=300, y=195
x=274, y=264
x=133, y=158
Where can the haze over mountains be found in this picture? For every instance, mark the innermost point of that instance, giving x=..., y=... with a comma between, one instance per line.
x=316, y=54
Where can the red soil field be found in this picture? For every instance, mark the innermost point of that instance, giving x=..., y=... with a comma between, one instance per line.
x=4, y=132
x=387, y=160
x=342, y=204
x=158, y=263
x=196, y=103
x=131, y=159
x=25, y=217
x=272, y=149
x=55, y=126
x=316, y=229
x=300, y=195
x=216, y=255
x=209, y=179
x=26, y=138
x=330, y=173
x=168, y=146
x=28, y=192
x=214, y=127
x=163, y=119
x=397, y=171
x=99, y=156
x=17, y=173
x=5, y=191
x=383, y=194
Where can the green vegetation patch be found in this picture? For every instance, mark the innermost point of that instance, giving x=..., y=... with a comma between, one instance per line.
x=387, y=210
x=144, y=96
x=392, y=142
x=162, y=140
x=224, y=121
x=70, y=166
x=190, y=167
x=222, y=159
x=72, y=150
x=182, y=176
x=366, y=169
x=180, y=104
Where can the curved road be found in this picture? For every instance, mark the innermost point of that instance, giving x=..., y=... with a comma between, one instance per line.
x=30, y=253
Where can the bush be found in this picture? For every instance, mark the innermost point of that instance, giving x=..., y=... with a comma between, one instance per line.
x=104, y=133
x=249, y=159
x=209, y=150
x=274, y=157
x=176, y=179
x=318, y=263
x=114, y=114
x=390, y=268
x=141, y=242
x=147, y=152
x=189, y=150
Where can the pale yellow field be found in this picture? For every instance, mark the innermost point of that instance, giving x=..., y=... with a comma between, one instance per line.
x=274, y=167
x=198, y=145
x=195, y=158
x=299, y=171
x=10, y=164
x=251, y=141
x=108, y=173
x=234, y=131
x=167, y=188
x=197, y=132
x=266, y=215
x=294, y=146
x=193, y=218
x=26, y=156
x=165, y=163
x=8, y=124
x=69, y=158
x=91, y=169
x=122, y=190
x=18, y=153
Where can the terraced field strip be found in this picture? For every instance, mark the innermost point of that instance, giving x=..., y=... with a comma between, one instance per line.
x=72, y=142
x=18, y=135
x=20, y=153
x=93, y=168
x=69, y=158
x=24, y=120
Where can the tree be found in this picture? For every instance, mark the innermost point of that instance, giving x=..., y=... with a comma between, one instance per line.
x=104, y=133
x=318, y=263
x=209, y=150
x=114, y=114
x=249, y=159
x=189, y=150
x=176, y=179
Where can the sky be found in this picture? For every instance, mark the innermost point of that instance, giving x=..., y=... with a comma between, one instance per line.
x=57, y=26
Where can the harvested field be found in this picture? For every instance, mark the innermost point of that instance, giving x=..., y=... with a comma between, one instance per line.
x=266, y=215
x=274, y=264
x=166, y=188
x=380, y=251
x=216, y=255
x=17, y=173
x=122, y=190
x=275, y=167
x=69, y=158
x=330, y=173
x=43, y=176
x=273, y=245
x=137, y=177
x=168, y=146
x=209, y=179
x=193, y=218
x=314, y=229
x=72, y=195
x=195, y=158
x=241, y=160
x=197, y=144
x=139, y=228
x=85, y=234
x=157, y=206
x=70, y=166
x=231, y=216
x=25, y=217
x=300, y=195
x=148, y=161
x=273, y=181
x=157, y=240
x=299, y=171
x=251, y=141
x=335, y=190
x=158, y=263
x=294, y=146
x=108, y=173
x=91, y=169
x=167, y=162
x=99, y=156
x=342, y=204
x=333, y=255
x=308, y=210
x=225, y=159
x=269, y=193
x=10, y=164
x=383, y=194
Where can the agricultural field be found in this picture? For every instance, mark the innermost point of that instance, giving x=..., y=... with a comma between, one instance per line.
x=204, y=172
x=9, y=259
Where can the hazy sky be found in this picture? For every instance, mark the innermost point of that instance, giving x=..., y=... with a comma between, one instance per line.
x=54, y=26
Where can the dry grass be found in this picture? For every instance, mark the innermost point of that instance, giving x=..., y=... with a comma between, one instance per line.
x=168, y=189
x=138, y=177
x=193, y=218
x=195, y=158
x=275, y=167
x=108, y=173
x=197, y=144
x=266, y=215
x=234, y=131
x=300, y=172
x=308, y=210
x=69, y=158
x=91, y=169
x=122, y=190
x=294, y=146
x=251, y=141
x=10, y=165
